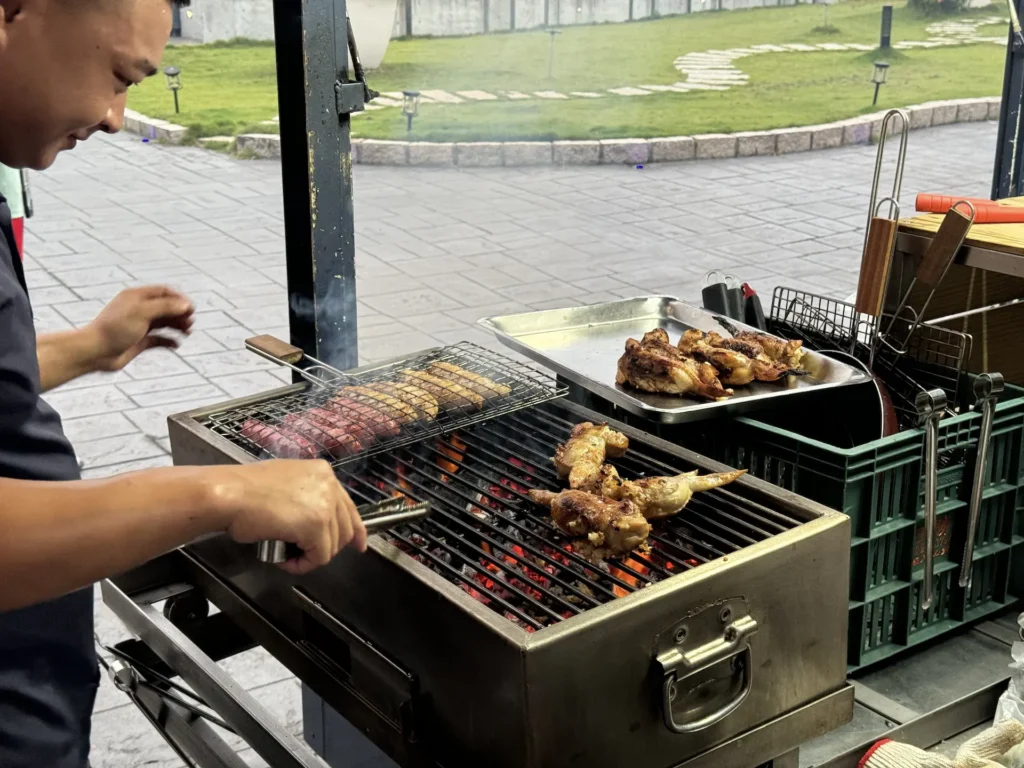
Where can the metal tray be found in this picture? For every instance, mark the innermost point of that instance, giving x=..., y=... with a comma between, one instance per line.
x=583, y=345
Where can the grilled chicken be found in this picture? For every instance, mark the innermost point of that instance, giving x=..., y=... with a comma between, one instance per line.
x=581, y=456
x=789, y=353
x=608, y=527
x=605, y=482
x=738, y=362
x=449, y=394
x=424, y=403
x=661, y=368
x=480, y=384
x=658, y=497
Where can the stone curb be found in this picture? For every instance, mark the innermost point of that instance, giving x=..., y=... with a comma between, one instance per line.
x=865, y=129
x=152, y=128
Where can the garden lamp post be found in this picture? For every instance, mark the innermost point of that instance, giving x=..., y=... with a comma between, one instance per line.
x=878, y=78
x=173, y=75
x=551, y=52
x=410, y=107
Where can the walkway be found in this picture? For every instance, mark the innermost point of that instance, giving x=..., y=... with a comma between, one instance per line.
x=437, y=249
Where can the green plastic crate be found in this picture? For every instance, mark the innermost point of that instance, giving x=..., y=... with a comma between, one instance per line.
x=880, y=486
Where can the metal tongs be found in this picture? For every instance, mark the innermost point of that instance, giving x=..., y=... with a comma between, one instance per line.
x=930, y=406
x=377, y=517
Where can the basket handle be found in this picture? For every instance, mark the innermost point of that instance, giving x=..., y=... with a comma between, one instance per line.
x=987, y=387
x=930, y=407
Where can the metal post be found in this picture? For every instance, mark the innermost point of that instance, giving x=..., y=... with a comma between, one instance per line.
x=316, y=173
x=886, y=35
x=175, y=102
x=1006, y=180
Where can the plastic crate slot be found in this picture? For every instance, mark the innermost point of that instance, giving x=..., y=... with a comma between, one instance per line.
x=884, y=559
x=879, y=618
x=921, y=619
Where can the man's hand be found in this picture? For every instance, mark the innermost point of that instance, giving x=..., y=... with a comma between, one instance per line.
x=127, y=325
x=298, y=501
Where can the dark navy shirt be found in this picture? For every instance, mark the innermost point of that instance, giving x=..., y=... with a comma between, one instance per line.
x=48, y=668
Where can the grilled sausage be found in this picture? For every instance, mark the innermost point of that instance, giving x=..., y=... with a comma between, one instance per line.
x=333, y=438
x=358, y=429
x=392, y=407
x=424, y=402
x=281, y=442
x=449, y=394
x=364, y=414
x=480, y=384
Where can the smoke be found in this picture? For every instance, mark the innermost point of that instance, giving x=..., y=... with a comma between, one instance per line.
x=334, y=314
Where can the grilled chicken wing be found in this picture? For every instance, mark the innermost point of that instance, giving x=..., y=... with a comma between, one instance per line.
x=608, y=527
x=738, y=362
x=658, y=497
x=659, y=367
x=789, y=353
x=605, y=482
x=581, y=456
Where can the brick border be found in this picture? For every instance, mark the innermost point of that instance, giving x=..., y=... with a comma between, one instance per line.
x=865, y=129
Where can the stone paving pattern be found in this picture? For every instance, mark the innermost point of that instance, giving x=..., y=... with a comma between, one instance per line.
x=437, y=249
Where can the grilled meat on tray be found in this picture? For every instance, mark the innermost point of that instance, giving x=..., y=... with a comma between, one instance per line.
x=279, y=441
x=661, y=368
x=608, y=527
x=581, y=456
x=789, y=353
x=738, y=362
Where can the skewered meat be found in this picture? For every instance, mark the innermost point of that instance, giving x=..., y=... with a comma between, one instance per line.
x=738, y=363
x=422, y=401
x=609, y=527
x=788, y=353
x=333, y=436
x=658, y=497
x=581, y=456
x=661, y=368
x=281, y=442
x=449, y=394
x=480, y=384
x=361, y=413
x=395, y=409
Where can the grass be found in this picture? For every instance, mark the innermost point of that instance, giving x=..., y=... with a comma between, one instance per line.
x=230, y=88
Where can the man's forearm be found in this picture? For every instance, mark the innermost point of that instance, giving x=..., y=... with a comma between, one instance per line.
x=64, y=356
x=56, y=537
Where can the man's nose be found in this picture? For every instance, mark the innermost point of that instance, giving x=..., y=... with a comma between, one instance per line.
x=114, y=120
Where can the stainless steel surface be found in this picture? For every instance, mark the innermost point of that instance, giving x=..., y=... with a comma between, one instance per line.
x=583, y=689
x=513, y=385
x=930, y=407
x=583, y=344
x=987, y=389
x=249, y=719
x=272, y=551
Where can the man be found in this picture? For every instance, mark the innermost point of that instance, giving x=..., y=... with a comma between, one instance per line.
x=65, y=67
x=11, y=188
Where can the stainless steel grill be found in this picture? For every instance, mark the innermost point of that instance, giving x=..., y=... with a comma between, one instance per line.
x=512, y=386
x=489, y=538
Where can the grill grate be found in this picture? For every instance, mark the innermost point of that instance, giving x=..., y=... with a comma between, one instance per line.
x=486, y=536
x=512, y=386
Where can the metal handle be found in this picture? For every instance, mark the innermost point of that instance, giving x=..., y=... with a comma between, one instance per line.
x=271, y=348
x=987, y=388
x=930, y=407
x=376, y=517
x=733, y=644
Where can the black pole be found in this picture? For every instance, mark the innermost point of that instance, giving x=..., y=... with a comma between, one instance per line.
x=175, y=102
x=875, y=100
x=408, y=18
x=316, y=174
x=886, y=36
x=1006, y=178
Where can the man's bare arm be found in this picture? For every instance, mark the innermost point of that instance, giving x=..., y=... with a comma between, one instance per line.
x=56, y=537
x=64, y=356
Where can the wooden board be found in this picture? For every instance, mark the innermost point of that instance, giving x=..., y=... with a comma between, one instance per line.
x=1008, y=238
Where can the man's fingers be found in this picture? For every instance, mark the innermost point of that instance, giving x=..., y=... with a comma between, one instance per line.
x=156, y=341
x=159, y=292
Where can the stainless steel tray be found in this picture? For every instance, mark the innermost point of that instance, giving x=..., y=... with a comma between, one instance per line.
x=583, y=345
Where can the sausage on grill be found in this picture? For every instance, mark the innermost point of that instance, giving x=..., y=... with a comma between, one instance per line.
x=385, y=403
x=358, y=429
x=281, y=442
x=486, y=388
x=450, y=394
x=364, y=414
x=334, y=438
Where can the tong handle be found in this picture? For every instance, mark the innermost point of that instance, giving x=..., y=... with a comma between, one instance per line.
x=376, y=517
x=275, y=349
x=930, y=407
x=987, y=388
x=875, y=265
x=944, y=245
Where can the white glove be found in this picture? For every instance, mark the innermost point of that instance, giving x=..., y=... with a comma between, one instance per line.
x=891, y=754
x=986, y=749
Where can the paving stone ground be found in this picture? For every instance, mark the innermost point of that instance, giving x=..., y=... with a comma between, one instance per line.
x=437, y=249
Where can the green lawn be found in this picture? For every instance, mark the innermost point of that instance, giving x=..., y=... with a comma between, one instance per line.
x=231, y=88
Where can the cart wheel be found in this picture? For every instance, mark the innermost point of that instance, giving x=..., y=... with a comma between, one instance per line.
x=185, y=608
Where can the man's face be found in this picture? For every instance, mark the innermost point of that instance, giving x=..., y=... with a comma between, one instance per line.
x=65, y=69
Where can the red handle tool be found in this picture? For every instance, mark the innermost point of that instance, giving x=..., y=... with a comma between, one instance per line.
x=986, y=211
